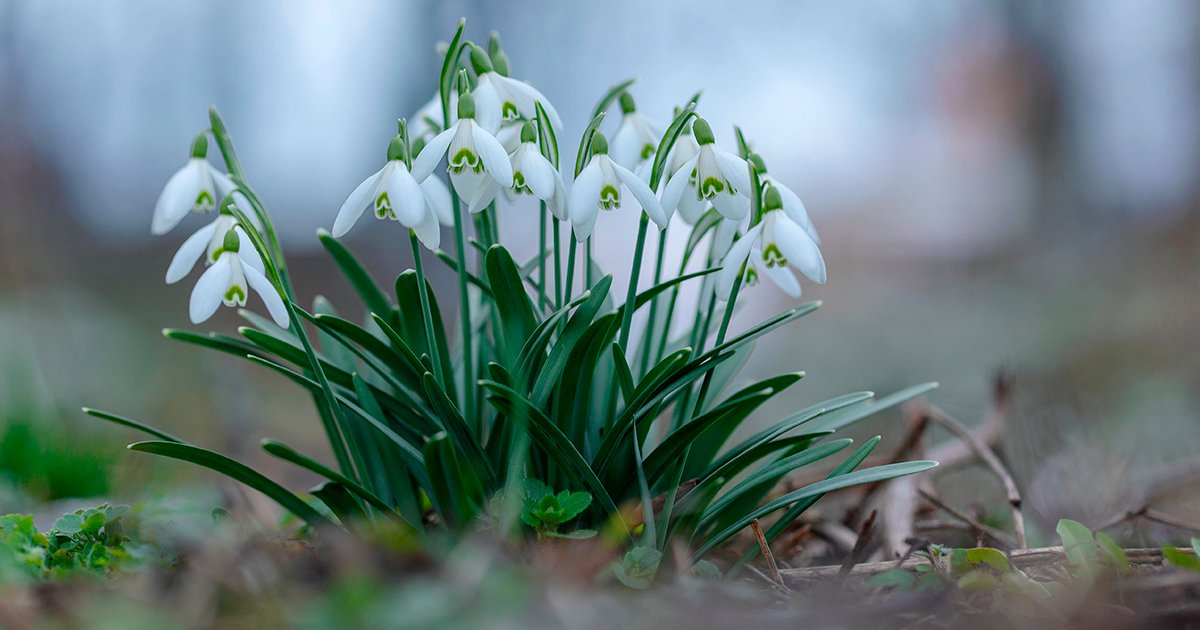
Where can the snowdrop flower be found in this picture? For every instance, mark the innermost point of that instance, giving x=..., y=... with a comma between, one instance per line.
x=599, y=187
x=690, y=207
x=395, y=194
x=197, y=187
x=209, y=242
x=228, y=281
x=427, y=122
x=636, y=140
x=473, y=155
x=533, y=175
x=500, y=99
x=713, y=175
x=792, y=206
x=770, y=247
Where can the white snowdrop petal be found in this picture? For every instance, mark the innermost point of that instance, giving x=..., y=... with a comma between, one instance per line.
x=525, y=95
x=269, y=295
x=429, y=231
x=467, y=183
x=583, y=201
x=405, y=195
x=794, y=208
x=801, y=252
x=495, y=158
x=676, y=186
x=781, y=277
x=735, y=169
x=209, y=291
x=644, y=196
x=437, y=198
x=487, y=103
x=247, y=252
x=626, y=145
x=539, y=174
x=176, y=199
x=731, y=265
x=189, y=252
x=432, y=154
x=353, y=207
x=485, y=195
x=222, y=182
x=558, y=204
x=730, y=206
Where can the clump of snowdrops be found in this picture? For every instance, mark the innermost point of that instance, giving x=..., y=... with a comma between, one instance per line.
x=539, y=409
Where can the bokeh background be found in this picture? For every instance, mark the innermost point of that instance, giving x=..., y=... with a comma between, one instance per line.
x=1001, y=187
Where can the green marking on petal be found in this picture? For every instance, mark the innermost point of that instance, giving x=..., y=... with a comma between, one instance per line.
x=711, y=187
x=204, y=199
x=648, y=151
x=235, y=295
x=509, y=112
x=464, y=159
x=772, y=256
x=519, y=185
x=610, y=197
x=383, y=207
x=751, y=276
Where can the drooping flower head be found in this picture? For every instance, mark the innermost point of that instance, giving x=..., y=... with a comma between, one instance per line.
x=228, y=281
x=792, y=206
x=473, y=155
x=208, y=242
x=713, y=175
x=533, y=175
x=500, y=99
x=599, y=187
x=197, y=187
x=636, y=140
x=769, y=249
x=394, y=194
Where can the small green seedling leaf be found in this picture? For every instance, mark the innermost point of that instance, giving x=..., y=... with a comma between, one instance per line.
x=1080, y=547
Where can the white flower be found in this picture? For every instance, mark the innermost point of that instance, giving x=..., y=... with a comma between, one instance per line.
x=499, y=99
x=636, y=140
x=208, y=242
x=713, y=175
x=769, y=248
x=228, y=281
x=473, y=155
x=395, y=194
x=197, y=187
x=427, y=122
x=690, y=207
x=598, y=187
x=533, y=175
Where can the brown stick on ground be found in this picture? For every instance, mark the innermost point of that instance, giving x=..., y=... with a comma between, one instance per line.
x=858, y=553
x=954, y=453
x=989, y=458
x=1021, y=559
x=766, y=552
x=995, y=534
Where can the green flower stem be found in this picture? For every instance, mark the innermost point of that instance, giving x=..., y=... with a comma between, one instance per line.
x=570, y=268
x=464, y=309
x=558, y=294
x=635, y=273
x=652, y=320
x=427, y=315
x=587, y=264
x=541, y=249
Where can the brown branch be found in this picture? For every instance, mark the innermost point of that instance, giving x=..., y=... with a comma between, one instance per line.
x=1020, y=558
x=989, y=458
x=767, y=555
x=860, y=546
x=979, y=528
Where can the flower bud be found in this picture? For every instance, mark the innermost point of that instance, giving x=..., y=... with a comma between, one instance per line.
x=528, y=132
x=480, y=60
x=200, y=146
x=702, y=132
x=599, y=144
x=396, y=150
x=627, y=104
x=496, y=52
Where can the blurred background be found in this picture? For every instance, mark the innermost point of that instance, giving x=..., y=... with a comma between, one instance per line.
x=1001, y=186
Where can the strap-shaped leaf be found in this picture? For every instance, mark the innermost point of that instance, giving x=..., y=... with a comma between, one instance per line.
x=412, y=328
x=342, y=503
x=868, y=475
x=238, y=472
x=456, y=492
x=578, y=324
x=456, y=426
x=133, y=424
x=849, y=416
x=517, y=321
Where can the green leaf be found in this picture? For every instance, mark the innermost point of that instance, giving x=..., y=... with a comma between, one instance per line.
x=868, y=475
x=517, y=321
x=1180, y=558
x=408, y=298
x=343, y=504
x=577, y=325
x=1113, y=554
x=238, y=472
x=456, y=426
x=288, y=454
x=851, y=415
x=610, y=97
x=456, y=492
x=624, y=376
x=133, y=424
x=670, y=136
x=1080, y=547
x=372, y=296
x=638, y=567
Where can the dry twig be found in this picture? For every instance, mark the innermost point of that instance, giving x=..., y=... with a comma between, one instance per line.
x=767, y=555
x=991, y=532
